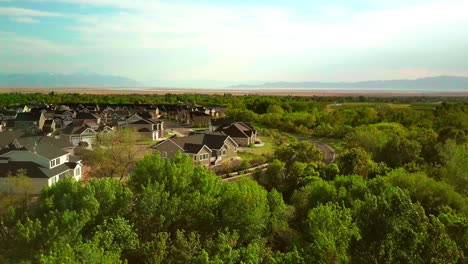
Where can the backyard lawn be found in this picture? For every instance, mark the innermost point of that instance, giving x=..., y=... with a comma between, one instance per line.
x=258, y=154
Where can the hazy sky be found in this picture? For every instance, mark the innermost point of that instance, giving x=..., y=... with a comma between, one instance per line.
x=241, y=40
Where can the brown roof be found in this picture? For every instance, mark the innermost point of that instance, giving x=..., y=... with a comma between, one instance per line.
x=237, y=129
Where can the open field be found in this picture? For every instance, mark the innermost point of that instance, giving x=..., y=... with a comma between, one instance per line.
x=414, y=106
x=234, y=91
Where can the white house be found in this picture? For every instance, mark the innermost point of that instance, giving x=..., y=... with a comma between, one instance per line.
x=45, y=160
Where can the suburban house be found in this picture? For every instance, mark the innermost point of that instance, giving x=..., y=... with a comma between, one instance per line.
x=169, y=110
x=45, y=160
x=27, y=120
x=242, y=132
x=49, y=126
x=198, y=119
x=90, y=119
x=63, y=118
x=216, y=123
x=78, y=134
x=205, y=149
x=147, y=128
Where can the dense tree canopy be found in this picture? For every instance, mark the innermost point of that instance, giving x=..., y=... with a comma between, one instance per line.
x=397, y=193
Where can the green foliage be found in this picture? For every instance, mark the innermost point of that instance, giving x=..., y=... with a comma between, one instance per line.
x=356, y=161
x=435, y=196
x=302, y=151
x=455, y=166
x=330, y=230
x=16, y=190
x=249, y=198
x=302, y=211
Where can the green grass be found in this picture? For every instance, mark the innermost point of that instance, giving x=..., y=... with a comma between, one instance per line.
x=266, y=150
x=247, y=156
x=424, y=106
x=147, y=142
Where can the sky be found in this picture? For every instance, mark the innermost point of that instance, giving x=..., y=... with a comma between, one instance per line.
x=208, y=42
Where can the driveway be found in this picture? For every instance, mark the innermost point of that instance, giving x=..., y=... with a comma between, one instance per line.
x=180, y=129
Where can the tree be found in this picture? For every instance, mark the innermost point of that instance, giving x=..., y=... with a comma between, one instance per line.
x=302, y=151
x=434, y=196
x=114, y=155
x=455, y=166
x=275, y=109
x=274, y=176
x=399, y=151
x=174, y=194
x=279, y=231
x=393, y=229
x=16, y=190
x=248, y=197
x=330, y=172
x=330, y=230
x=356, y=161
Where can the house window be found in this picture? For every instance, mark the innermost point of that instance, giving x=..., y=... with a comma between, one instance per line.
x=204, y=156
x=53, y=180
x=52, y=163
x=194, y=157
x=224, y=152
x=78, y=171
x=164, y=154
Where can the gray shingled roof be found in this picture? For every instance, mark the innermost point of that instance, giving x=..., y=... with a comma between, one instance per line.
x=34, y=170
x=47, y=147
x=199, y=140
x=74, y=130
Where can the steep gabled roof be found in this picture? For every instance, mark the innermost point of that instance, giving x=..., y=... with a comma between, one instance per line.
x=237, y=129
x=209, y=140
x=30, y=117
x=44, y=146
x=7, y=137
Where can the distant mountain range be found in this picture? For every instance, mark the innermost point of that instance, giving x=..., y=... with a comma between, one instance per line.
x=55, y=80
x=431, y=83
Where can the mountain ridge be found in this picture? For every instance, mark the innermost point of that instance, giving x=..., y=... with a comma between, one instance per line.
x=436, y=82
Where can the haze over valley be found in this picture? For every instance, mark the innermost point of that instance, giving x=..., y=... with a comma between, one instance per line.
x=56, y=80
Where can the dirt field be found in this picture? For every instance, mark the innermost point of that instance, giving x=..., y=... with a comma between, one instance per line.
x=260, y=91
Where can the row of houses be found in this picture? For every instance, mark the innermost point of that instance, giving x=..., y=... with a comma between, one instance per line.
x=42, y=139
x=82, y=122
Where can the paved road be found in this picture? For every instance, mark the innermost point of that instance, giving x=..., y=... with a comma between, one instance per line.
x=328, y=152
